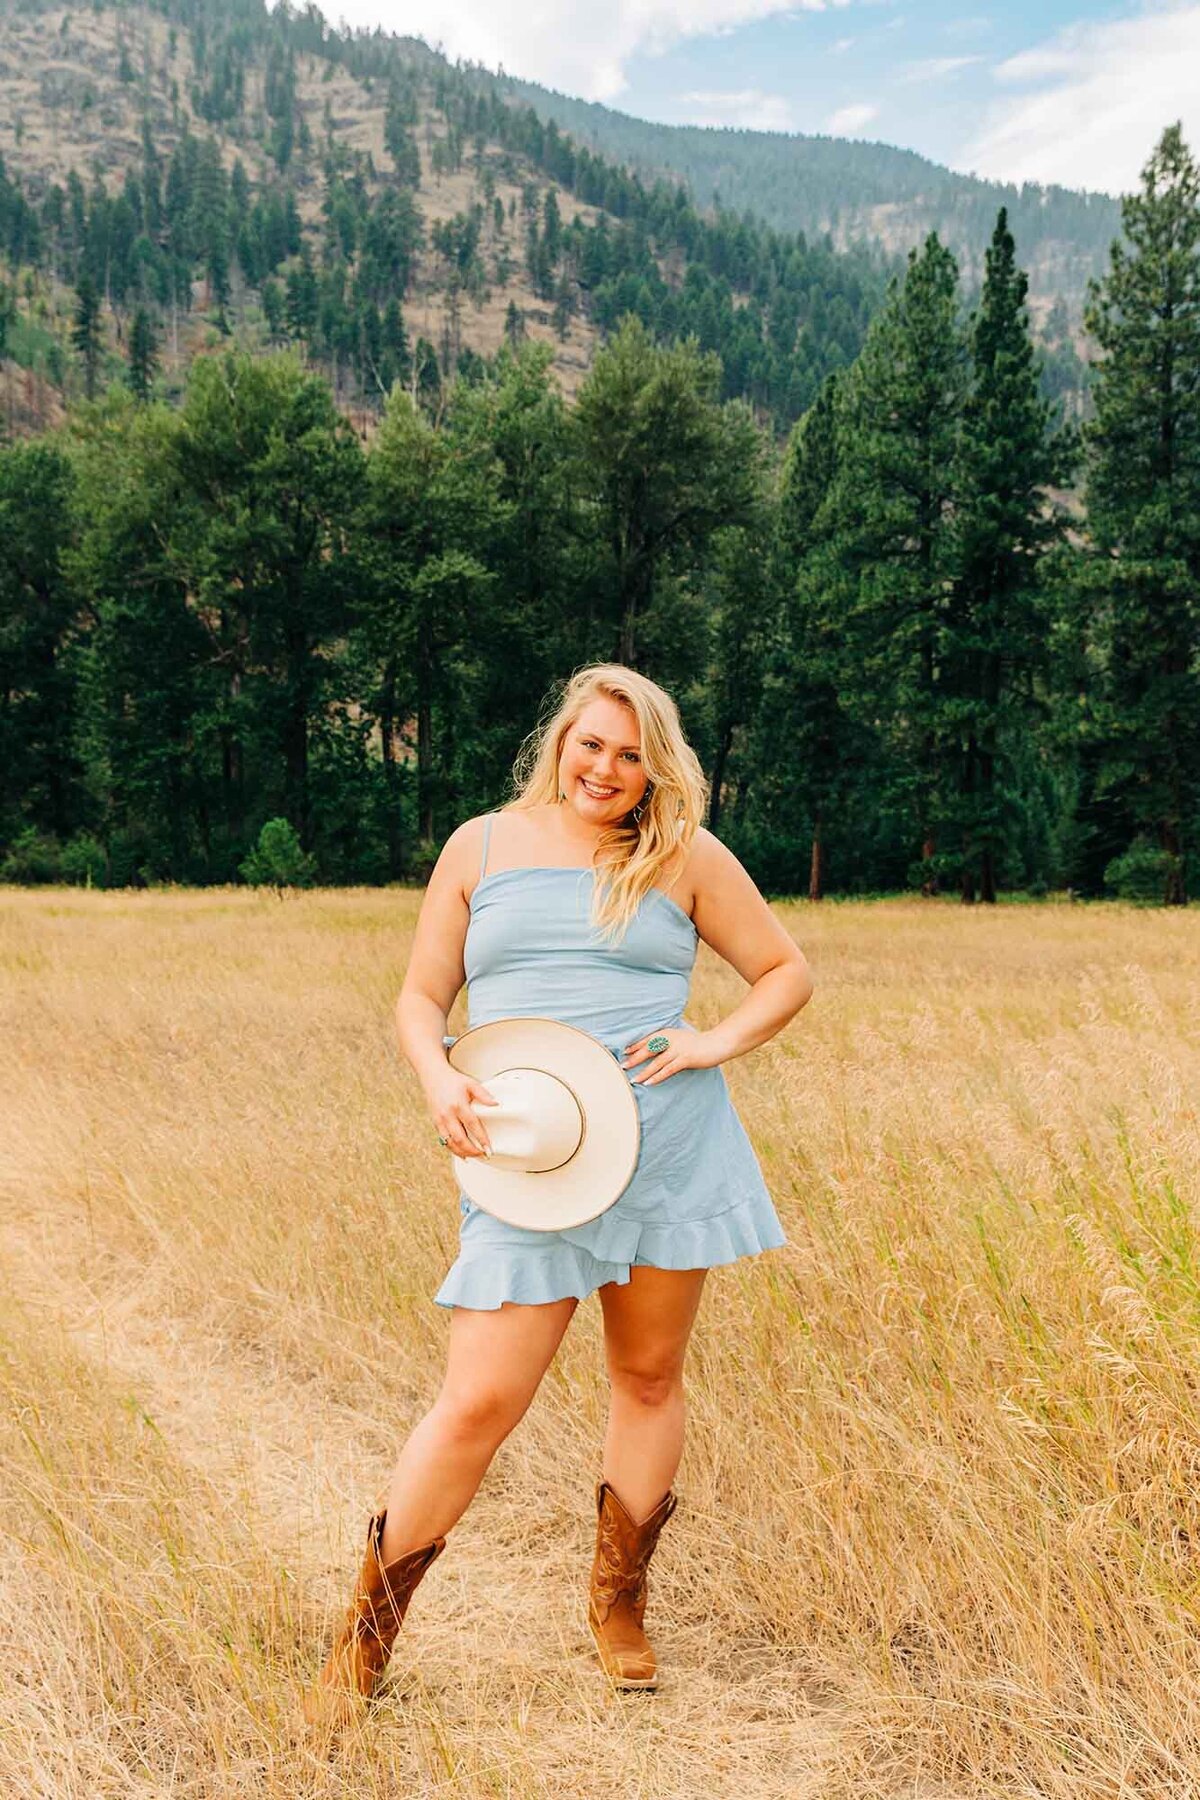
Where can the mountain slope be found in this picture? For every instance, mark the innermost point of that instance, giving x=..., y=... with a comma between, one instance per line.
x=225, y=168
x=853, y=190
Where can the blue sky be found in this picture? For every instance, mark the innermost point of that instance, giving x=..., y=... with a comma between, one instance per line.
x=1060, y=90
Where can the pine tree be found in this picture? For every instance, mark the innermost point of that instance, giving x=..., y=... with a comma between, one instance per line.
x=1144, y=506
x=401, y=145
x=39, y=773
x=395, y=346
x=302, y=297
x=663, y=467
x=994, y=637
x=217, y=271
x=143, y=354
x=800, y=706
x=8, y=315
x=900, y=415
x=564, y=307
x=551, y=228
x=85, y=333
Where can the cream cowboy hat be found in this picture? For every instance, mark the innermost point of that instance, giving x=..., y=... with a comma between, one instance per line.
x=566, y=1132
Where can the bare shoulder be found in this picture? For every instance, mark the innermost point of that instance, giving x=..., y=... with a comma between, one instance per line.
x=458, y=860
x=730, y=913
x=705, y=861
x=709, y=854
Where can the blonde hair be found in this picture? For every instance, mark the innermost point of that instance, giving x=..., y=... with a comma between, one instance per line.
x=631, y=854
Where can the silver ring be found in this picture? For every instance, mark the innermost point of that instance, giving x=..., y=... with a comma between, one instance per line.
x=658, y=1042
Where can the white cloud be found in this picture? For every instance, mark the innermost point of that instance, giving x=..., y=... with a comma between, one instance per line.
x=936, y=68
x=848, y=120
x=842, y=45
x=747, y=107
x=1088, y=106
x=578, y=46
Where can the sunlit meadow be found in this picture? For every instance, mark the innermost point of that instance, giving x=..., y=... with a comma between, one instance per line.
x=939, y=1524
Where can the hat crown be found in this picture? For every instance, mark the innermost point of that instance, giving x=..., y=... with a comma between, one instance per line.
x=537, y=1124
x=565, y=1135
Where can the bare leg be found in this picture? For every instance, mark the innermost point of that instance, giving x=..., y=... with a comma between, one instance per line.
x=493, y=1367
x=647, y=1323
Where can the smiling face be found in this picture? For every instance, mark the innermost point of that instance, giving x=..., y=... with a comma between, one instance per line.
x=600, y=765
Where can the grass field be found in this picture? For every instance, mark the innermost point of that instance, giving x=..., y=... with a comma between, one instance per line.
x=939, y=1524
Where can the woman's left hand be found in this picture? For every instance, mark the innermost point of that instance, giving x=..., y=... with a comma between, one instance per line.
x=686, y=1049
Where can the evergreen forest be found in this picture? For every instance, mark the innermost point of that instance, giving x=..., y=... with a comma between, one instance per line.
x=931, y=623
x=848, y=188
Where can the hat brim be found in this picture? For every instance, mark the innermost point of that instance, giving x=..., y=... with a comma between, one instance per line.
x=601, y=1168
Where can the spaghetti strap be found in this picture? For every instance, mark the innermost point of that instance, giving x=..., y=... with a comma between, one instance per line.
x=487, y=832
x=697, y=1196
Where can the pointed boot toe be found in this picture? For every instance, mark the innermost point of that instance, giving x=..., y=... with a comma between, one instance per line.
x=617, y=1593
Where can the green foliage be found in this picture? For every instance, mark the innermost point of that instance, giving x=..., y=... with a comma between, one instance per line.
x=86, y=331
x=37, y=859
x=913, y=525
x=39, y=771
x=143, y=354
x=810, y=185
x=8, y=314
x=1143, y=583
x=84, y=861
x=277, y=860
x=1144, y=872
x=33, y=859
x=885, y=652
x=663, y=467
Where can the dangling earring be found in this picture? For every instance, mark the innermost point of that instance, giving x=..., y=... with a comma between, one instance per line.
x=561, y=795
x=640, y=808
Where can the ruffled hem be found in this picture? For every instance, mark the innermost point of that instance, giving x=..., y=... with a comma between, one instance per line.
x=540, y=1275
x=743, y=1230
x=535, y=1275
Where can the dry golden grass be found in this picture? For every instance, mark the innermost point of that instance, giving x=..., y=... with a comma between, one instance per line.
x=939, y=1532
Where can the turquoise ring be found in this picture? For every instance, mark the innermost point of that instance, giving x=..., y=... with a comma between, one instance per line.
x=658, y=1042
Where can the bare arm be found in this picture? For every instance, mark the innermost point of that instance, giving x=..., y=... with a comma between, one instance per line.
x=730, y=914
x=432, y=980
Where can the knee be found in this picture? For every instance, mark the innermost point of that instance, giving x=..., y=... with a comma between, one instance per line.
x=648, y=1386
x=481, y=1415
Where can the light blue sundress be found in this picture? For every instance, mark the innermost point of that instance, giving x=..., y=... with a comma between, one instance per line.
x=697, y=1195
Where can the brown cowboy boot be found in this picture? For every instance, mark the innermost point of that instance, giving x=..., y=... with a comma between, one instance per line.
x=617, y=1600
x=364, y=1643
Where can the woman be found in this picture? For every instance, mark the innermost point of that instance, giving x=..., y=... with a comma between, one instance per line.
x=582, y=900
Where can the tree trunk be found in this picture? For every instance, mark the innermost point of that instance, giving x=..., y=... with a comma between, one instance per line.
x=391, y=773
x=970, y=837
x=232, y=770
x=625, y=647
x=1176, y=893
x=636, y=588
x=987, y=876
x=295, y=737
x=424, y=731
x=987, y=860
x=816, y=866
x=720, y=763
x=929, y=881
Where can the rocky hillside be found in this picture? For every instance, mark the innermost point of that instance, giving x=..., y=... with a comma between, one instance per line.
x=81, y=86
x=175, y=174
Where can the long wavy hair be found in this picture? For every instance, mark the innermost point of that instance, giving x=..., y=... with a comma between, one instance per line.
x=632, y=853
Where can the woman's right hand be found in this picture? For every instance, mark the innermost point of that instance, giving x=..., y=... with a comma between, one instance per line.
x=453, y=1098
